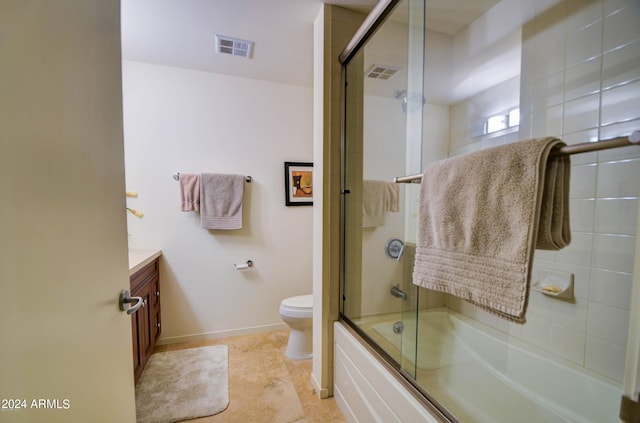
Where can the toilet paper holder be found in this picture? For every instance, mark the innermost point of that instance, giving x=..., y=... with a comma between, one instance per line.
x=244, y=266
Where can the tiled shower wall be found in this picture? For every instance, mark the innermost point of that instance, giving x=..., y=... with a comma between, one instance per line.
x=580, y=81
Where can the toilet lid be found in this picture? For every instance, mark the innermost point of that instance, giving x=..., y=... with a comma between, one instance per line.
x=301, y=301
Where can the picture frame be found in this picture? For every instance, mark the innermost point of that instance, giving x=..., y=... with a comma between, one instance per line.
x=298, y=183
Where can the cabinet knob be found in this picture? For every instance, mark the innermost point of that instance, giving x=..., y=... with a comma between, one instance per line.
x=157, y=293
x=158, y=325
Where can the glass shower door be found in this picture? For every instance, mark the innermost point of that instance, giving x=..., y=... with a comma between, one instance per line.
x=383, y=133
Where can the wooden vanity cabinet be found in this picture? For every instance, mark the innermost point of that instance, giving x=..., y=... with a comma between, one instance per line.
x=146, y=322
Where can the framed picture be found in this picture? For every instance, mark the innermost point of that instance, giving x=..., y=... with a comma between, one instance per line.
x=298, y=183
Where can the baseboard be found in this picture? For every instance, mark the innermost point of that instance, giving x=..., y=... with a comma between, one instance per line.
x=220, y=334
x=321, y=392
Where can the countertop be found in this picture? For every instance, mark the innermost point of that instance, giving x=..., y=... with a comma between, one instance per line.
x=140, y=258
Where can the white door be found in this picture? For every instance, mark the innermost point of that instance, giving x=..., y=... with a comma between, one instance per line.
x=65, y=348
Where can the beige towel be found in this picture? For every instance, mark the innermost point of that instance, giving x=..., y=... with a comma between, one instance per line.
x=221, y=199
x=189, y=192
x=481, y=216
x=378, y=198
x=392, y=197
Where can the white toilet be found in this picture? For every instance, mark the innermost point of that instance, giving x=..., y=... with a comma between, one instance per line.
x=297, y=312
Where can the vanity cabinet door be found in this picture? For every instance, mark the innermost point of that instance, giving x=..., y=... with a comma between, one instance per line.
x=154, y=301
x=145, y=322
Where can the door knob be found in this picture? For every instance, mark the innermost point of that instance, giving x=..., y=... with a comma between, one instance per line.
x=126, y=298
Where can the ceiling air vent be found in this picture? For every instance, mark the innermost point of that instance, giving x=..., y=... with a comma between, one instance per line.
x=234, y=46
x=381, y=71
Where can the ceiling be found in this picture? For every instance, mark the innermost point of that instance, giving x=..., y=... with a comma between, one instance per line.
x=182, y=33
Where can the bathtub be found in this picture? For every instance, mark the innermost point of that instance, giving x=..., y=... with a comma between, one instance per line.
x=480, y=374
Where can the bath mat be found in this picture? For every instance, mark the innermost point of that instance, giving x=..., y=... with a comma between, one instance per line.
x=183, y=384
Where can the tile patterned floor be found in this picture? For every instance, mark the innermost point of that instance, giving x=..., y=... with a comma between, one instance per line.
x=265, y=386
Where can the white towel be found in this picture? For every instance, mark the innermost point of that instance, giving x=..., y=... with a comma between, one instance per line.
x=221, y=199
x=480, y=218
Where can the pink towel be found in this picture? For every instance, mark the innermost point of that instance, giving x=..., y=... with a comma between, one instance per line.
x=189, y=192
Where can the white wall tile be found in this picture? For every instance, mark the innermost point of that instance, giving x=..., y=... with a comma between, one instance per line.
x=578, y=253
x=621, y=66
x=571, y=88
x=582, y=79
x=571, y=315
x=605, y=358
x=547, y=122
x=568, y=344
x=525, y=131
x=610, y=288
x=616, y=216
x=618, y=179
x=613, y=6
x=581, y=13
x=549, y=59
x=539, y=306
x=582, y=215
x=547, y=91
x=584, y=44
x=622, y=27
x=581, y=114
x=544, y=259
x=528, y=49
x=613, y=252
x=608, y=323
x=537, y=331
x=583, y=180
x=621, y=103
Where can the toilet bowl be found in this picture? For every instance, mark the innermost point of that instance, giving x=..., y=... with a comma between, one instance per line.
x=297, y=312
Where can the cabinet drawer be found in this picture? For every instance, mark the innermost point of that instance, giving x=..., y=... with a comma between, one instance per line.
x=144, y=274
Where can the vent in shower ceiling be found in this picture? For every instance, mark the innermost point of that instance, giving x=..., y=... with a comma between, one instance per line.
x=234, y=46
x=381, y=72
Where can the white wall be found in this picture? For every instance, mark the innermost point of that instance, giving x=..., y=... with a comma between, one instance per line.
x=178, y=120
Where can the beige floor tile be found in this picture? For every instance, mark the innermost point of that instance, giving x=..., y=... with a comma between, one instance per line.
x=265, y=386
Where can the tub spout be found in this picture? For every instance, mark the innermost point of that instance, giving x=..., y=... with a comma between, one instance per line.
x=397, y=292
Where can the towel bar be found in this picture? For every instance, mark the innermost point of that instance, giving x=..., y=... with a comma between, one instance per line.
x=176, y=176
x=586, y=147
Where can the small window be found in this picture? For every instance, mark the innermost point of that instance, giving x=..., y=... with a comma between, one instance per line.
x=514, y=117
x=499, y=122
x=496, y=123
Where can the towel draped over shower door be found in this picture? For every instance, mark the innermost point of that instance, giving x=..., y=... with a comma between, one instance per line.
x=481, y=216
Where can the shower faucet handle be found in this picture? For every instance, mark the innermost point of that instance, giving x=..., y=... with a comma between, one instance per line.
x=400, y=252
